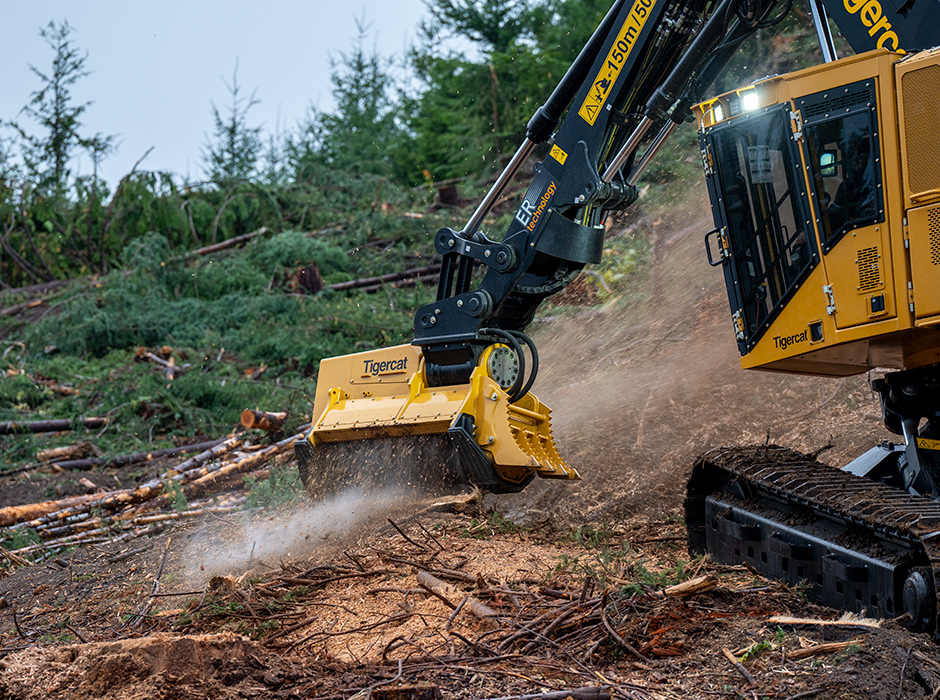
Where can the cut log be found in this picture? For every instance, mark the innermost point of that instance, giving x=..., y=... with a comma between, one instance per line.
x=445, y=590
x=77, y=451
x=50, y=426
x=134, y=458
x=207, y=483
x=19, y=514
x=263, y=420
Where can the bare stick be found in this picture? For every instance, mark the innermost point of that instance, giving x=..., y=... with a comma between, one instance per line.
x=453, y=616
x=739, y=667
x=156, y=584
x=402, y=533
x=613, y=633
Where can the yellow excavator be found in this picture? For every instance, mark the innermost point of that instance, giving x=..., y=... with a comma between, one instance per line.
x=825, y=192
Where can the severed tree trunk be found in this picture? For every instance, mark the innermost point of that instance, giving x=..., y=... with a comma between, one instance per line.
x=49, y=426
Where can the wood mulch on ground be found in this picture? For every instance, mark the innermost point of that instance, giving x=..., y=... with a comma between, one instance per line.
x=443, y=596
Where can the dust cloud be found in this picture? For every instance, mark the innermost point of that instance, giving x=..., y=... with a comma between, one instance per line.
x=640, y=387
x=232, y=547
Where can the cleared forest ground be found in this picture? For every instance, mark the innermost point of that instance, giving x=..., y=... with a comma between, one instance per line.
x=565, y=587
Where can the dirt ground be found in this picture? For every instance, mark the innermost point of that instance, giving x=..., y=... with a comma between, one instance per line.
x=564, y=587
x=350, y=614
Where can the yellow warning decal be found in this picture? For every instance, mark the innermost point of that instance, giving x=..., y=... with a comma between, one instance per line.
x=928, y=444
x=616, y=58
x=558, y=154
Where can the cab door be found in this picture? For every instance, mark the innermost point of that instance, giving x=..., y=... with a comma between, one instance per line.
x=762, y=212
x=843, y=158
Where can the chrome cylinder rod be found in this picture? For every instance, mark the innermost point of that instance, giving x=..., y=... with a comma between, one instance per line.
x=627, y=150
x=821, y=22
x=497, y=189
x=651, y=152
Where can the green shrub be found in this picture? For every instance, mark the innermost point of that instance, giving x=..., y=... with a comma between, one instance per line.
x=20, y=390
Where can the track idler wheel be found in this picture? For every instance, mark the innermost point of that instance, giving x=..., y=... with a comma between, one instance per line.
x=920, y=600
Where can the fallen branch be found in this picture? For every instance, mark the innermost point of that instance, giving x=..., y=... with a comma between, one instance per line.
x=847, y=620
x=620, y=640
x=818, y=649
x=430, y=278
x=383, y=279
x=171, y=369
x=230, y=243
x=16, y=308
x=13, y=558
x=77, y=451
x=688, y=588
x=739, y=667
x=50, y=426
x=135, y=457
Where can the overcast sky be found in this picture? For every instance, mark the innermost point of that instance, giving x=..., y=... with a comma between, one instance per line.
x=156, y=65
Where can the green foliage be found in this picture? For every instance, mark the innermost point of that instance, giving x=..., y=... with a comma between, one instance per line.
x=232, y=153
x=473, y=106
x=359, y=135
x=496, y=524
x=282, y=487
x=17, y=539
x=601, y=561
x=19, y=390
x=57, y=116
x=755, y=650
x=176, y=495
x=590, y=537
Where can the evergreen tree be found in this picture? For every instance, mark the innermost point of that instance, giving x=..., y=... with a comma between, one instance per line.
x=473, y=105
x=232, y=153
x=359, y=134
x=47, y=155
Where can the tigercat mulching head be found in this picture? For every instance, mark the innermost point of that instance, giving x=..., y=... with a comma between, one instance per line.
x=376, y=423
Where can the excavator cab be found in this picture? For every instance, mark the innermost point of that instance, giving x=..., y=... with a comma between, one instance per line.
x=763, y=210
x=815, y=229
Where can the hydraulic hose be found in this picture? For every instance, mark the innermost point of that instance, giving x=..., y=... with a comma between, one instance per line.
x=517, y=390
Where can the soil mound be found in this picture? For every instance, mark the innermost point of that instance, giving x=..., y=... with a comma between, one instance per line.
x=158, y=666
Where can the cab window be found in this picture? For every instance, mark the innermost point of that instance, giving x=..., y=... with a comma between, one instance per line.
x=770, y=250
x=842, y=152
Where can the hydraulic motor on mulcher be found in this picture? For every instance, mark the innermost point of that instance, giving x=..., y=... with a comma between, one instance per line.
x=825, y=190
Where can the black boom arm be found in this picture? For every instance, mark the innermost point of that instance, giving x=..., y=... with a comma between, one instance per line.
x=642, y=68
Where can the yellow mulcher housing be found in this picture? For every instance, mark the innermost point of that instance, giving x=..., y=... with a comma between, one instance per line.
x=462, y=434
